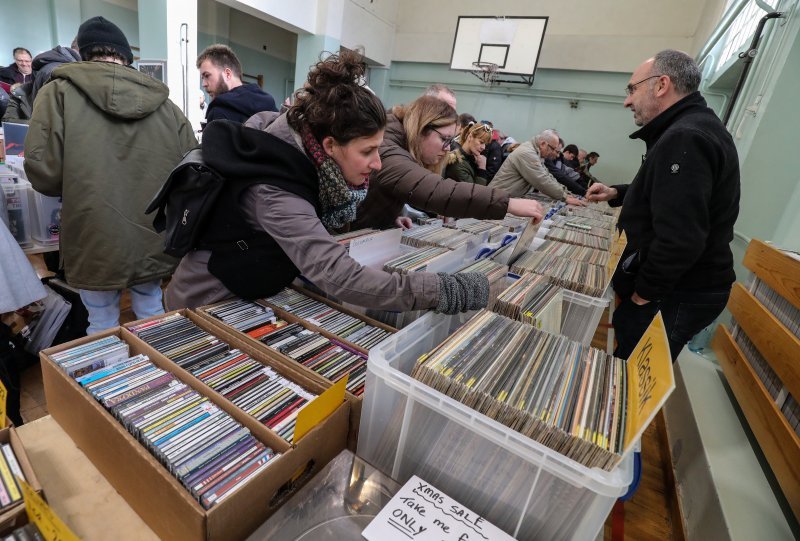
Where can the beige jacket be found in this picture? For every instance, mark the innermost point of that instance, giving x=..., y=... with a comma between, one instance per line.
x=525, y=169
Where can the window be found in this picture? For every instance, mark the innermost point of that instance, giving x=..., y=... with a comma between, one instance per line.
x=740, y=31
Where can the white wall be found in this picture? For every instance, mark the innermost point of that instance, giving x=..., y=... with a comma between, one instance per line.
x=371, y=24
x=368, y=23
x=604, y=35
x=255, y=34
x=294, y=15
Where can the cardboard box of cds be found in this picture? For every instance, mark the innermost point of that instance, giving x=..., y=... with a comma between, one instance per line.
x=12, y=513
x=165, y=503
x=207, y=313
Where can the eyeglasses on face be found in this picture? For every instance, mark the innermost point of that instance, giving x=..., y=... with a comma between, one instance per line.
x=631, y=88
x=554, y=149
x=447, y=141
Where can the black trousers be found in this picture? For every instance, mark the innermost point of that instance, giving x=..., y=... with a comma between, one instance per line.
x=685, y=314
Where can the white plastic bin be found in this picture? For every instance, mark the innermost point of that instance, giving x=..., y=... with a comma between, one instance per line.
x=581, y=314
x=523, y=487
x=17, y=204
x=45, y=218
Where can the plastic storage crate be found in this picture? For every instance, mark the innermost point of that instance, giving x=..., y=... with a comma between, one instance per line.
x=45, y=218
x=523, y=487
x=16, y=194
x=581, y=314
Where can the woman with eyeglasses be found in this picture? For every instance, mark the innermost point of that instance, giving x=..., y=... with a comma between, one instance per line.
x=466, y=163
x=413, y=154
x=289, y=179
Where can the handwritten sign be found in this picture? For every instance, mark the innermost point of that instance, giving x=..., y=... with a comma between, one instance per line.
x=3, y=397
x=420, y=511
x=45, y=519
x=650, y=380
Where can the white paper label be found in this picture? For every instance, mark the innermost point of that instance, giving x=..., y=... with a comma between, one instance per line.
x=421, y=511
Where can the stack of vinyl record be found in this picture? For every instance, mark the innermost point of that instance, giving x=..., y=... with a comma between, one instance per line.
x=495, y=272
x=514, y=224
x=248, y=384
x=415, y=261
x=560, y=393
x=594, y=211
x=580, y=238
x=206, y=449
x=436, y=236
x=526, y=298
x=491, y=230
x=570, y=225
x=574, y=252
x=330, y=319
x=537, y=260
x=600, y=222
x=577, y=276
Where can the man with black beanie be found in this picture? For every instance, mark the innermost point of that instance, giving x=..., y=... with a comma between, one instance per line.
x=104, y=137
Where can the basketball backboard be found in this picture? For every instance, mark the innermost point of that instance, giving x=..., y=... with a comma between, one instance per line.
x=511, y=43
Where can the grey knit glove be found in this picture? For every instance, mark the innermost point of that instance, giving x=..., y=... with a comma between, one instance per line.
x=462, y=291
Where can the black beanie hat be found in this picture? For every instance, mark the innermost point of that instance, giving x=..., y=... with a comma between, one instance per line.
x=100, y=32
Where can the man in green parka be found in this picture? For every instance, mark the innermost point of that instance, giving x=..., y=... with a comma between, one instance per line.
x=105, y=137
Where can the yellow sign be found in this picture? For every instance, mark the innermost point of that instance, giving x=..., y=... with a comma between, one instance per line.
x=650, y=380
x=315, y=411
x=618, y=244
x=3, y=397
x=40, y=514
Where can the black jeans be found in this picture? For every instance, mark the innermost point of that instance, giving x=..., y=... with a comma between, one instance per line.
x=685, y=314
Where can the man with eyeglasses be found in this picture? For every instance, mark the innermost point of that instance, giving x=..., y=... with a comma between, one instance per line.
x=678, y=212
x=524, y=169
x=20, y=71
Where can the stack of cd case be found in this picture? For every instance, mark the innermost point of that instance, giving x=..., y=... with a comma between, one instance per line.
x=331, y=319
x=151, y=489
x=14, y=464
x=207, y=450
x=330, y=358
x=254, y=388
x=297, y=341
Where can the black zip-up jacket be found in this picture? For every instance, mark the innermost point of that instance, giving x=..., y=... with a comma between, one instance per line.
x=240, y=104
x=681, y=207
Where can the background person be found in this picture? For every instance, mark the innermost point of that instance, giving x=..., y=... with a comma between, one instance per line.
x=678, y=212
x=104, y=137
x=21, y=71
x=289, y=181
x=231, y=99
x=524, y=169
x=466, y=163
x=417, y=139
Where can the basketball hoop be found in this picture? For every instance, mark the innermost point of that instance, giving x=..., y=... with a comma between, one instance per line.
x=486, y=72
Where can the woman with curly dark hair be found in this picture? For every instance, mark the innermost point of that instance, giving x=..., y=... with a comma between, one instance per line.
x=292, y=178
